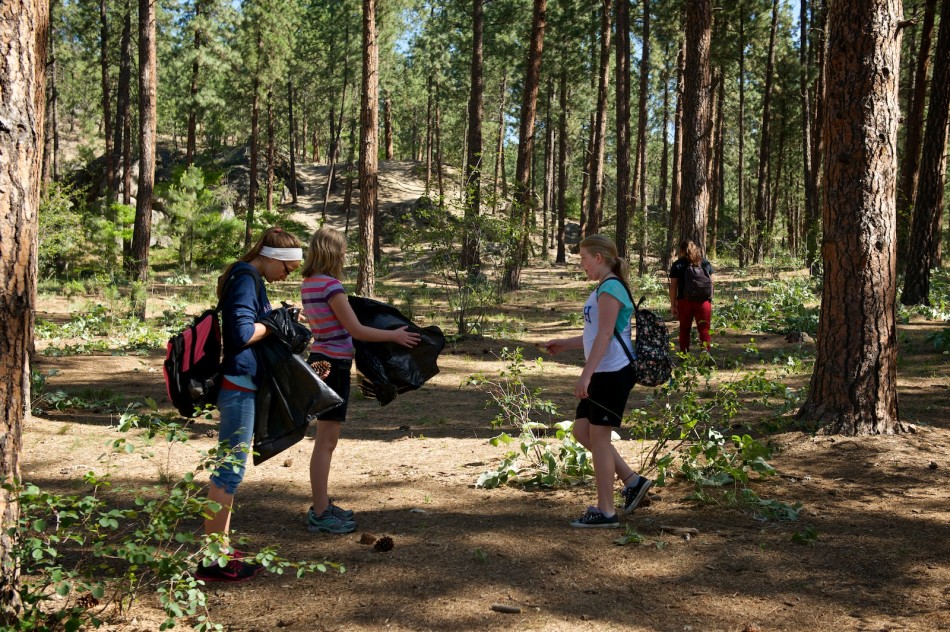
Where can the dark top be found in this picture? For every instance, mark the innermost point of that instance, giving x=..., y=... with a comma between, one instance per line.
x=678, y=272
x=244, y=302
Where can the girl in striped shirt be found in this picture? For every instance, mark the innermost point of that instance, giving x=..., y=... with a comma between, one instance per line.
x=334, y=325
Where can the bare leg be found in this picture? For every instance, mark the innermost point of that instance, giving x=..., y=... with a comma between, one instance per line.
x=220, y=522
x=604, y=467
x=328, y=434
x=582, y=432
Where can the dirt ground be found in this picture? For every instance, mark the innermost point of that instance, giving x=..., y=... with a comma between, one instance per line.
x=880, y=506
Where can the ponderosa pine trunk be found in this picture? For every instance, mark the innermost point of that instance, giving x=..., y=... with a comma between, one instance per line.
x=500, y=144
x=255, y=133
x=717, y=185
x=742, y=229
x=596, y=200
x=914, y=124
x=192, y=141
x=388, y=124
x=696, y=124
x=854, y=385
x=23, y=33
x=369, y=151
x=292, y=140
x=148, y=120
x=269, y=177
x=642, y=140
x=622, y=109
x=122, y=142
x=814, y=177
x=473, y=169
x=762, y=232
x=662, y=199
x=106, y=98
x=562, y=160
x=928, y=210
x=677, y=179
x=522, y=204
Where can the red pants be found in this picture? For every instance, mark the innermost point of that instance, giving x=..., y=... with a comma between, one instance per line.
x=702, y=312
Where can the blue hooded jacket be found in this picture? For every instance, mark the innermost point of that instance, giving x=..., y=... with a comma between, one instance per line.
x=244, y=302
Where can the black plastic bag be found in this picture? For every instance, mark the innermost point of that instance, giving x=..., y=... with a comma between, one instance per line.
x=283, y=323
x=289, y=397
x=389, y=368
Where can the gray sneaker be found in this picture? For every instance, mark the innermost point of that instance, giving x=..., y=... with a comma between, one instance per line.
x=328, y=522
x=340, y=512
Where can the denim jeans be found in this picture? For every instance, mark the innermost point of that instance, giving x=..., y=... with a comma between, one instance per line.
x=237, y=427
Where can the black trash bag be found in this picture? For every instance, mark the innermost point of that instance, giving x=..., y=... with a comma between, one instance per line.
x=290, y=396
x=283, y=323
x=388, y=368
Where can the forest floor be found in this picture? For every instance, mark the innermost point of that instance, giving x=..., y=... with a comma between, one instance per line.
x=877, y=508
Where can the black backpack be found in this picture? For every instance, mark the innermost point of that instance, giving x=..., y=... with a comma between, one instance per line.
x=192, y=365
x=652, y=365
x=698, y=285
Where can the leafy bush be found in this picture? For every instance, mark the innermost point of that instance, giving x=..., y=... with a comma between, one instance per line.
x=104, y=546
x=784, y=306
x=60, y=244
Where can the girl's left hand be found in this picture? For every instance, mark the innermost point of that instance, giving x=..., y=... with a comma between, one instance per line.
x=580, y=388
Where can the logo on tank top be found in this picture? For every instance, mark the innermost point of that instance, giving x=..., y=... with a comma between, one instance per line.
x=587, y=310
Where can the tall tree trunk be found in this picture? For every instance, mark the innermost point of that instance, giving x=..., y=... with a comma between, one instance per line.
x=428, y=149
x=106, y=98
x=437, y=134
x=521, y=207
x=562, y=160
x=270, y=151
x=473, y=172
x=255, y=132
x=191, y=143
x=665, y=157
x=388, y=123
x=350, y=169
x=696, y=123
x=642, y=140
x=500, y=144
x=762, y=192
x=148, y=119
x=123, y=114
x=854, y=385
x=777, y=180
x=925, y=233
x=804, y=60
x=622, y=107
x=335, y=134
x=50, y=168
x=546, y=203
x=913, y=124
x=813, y=220
x=596, y=202
x=717, y=187
x=23, y=33
x=369, y=151
x=741, y=243
x=293, y=147
x=676, y=184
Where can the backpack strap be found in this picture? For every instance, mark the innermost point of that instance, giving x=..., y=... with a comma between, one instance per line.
x=235, y=274
x=623, y=345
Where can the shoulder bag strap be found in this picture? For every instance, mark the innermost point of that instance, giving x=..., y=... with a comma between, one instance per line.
x=623, y=345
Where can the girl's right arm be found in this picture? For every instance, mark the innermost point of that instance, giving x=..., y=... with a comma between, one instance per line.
x=347, y=317
x=564, y=344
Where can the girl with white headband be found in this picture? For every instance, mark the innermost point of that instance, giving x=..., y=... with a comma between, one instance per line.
x=243, y=300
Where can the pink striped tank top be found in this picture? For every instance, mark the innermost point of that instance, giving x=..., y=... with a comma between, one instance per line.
x=329, y=336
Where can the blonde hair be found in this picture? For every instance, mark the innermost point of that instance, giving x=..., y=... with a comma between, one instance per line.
x=691, y=251
x=325, y=254
x=605, y=247
x=273, y=237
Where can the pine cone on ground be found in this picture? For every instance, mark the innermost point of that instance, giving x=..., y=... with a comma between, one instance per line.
x=384, y=544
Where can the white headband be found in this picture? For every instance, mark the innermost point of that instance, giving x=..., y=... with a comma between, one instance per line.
x=282, y=254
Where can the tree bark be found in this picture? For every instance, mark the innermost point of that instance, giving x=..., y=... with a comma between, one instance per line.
x=804, y=60
x=122, y=143
x=191, y=143
x=473, y=172
x=696, y=123
x=596, y=202
x=741, y=244
x=762, y=191
x=106, y=98
x=549, y=179
x=817, y=140
x=642, y=140
x=293, y=146
x=716, y=194
x=913, y=124
x=428, y=150
x=675, y=186
x=148, y=119
x=369, y=151
x=521, y=207
x=622, y=108
x=854, y=385
x=50, y=169
x=925, y=233
x=23, y=39
x=255, y=132
x=269, y=203
x=665, y=159
x=388, y=123
x=562, y=160
x=334, y=152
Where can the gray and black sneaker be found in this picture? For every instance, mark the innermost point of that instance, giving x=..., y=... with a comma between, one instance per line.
x=328, y=522
x=593, y=518
x=634, y=494
x=340, y=512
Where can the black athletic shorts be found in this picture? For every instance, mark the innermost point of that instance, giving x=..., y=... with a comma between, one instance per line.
x=339, y=381
x=607, y=397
